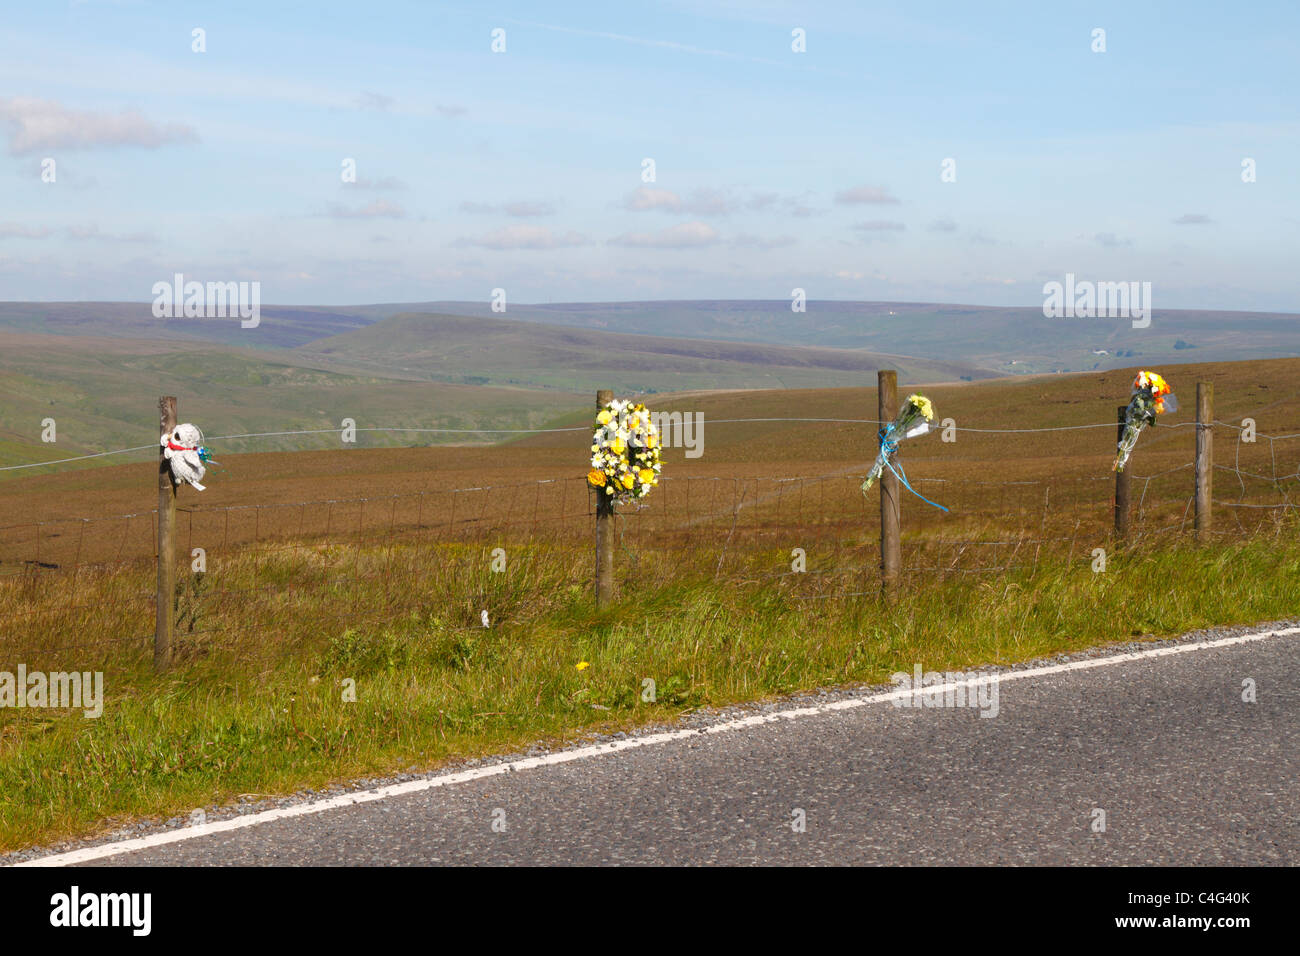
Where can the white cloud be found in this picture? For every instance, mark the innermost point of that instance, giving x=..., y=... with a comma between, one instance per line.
x=527, y=237
x=93, y=232
x=384, y=183
x=13, y=230
x=703, y=202
x=687, y=235
x=710, y=202
x=520, y=209
x=374, y=101
x=528, y=209
x=36, y=124
x=644, y=198
x=379, y=209
x=865, y=194
x=760, y=242
x=1110, y=240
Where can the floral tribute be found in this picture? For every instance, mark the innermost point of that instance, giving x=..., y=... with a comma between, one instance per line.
x=1151, y=396
x=625, y=452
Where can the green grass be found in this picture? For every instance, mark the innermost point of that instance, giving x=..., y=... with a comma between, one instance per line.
x=107, y=400
x=258, y=706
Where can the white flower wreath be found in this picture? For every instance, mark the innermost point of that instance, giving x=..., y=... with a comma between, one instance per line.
x=624, y=451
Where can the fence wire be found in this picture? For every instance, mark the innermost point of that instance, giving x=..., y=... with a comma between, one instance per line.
x=257, y=572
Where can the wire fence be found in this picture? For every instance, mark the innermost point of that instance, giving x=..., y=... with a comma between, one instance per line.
x=281, y=571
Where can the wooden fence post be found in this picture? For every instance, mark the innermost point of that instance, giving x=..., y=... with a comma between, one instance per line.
x=165, y=613
x=604, y=529
x=1121, y=483
x=1204, y=453
x=890, y=551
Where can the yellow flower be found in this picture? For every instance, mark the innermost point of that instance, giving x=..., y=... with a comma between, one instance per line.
x=628, y=480
x=923, y=405
x=647, y=476
x=596, y=477
x=604, y=418
x=618, y=446
x=583, y=665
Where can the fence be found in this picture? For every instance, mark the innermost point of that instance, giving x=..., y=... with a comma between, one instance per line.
x=249, y=569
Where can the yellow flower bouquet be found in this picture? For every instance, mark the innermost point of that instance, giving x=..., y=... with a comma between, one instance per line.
x=625, y=451
x=913, y=419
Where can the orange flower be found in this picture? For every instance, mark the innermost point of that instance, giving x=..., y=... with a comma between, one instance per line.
x=596, y=477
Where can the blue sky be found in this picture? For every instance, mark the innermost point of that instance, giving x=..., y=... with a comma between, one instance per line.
x=774, y=169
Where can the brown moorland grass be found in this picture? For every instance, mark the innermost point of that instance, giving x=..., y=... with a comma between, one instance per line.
x=377, y=564
x=1038, y=483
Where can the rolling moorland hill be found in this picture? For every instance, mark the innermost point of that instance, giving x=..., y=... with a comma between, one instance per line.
x=482, y=350
x=1009, y=341
x=1268, y=391
x=1004, y=340
x=103, y=392
x=282, y=327
x=97, y=371
x=97, y=368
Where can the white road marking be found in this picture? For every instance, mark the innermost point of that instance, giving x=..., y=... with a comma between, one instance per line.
x=599, y=750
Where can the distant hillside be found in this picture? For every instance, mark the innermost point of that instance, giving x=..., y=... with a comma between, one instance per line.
x=1005, y=340
x=510, y=352
x=1010, y=341
x=1079, y=461
x=280, y=327
x=103, y=394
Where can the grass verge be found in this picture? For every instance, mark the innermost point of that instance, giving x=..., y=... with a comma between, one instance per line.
x=270, y=713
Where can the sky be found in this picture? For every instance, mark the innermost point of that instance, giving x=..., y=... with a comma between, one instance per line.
x=933, y=152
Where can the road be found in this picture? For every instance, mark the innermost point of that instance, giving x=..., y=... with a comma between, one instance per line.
x=1185, y=770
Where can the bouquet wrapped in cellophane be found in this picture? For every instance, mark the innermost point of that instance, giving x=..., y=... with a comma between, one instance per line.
x=913, y=419
x=1151, y=396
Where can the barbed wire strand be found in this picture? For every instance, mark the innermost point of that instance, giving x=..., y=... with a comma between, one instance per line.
x=582, y=428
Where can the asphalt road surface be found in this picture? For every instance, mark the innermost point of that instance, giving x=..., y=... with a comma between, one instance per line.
x=1185, y=770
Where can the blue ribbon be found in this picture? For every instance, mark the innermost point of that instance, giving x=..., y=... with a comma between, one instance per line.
x=889, y=446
